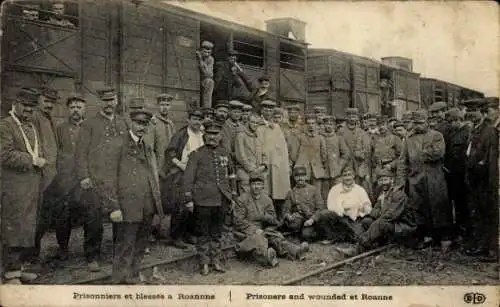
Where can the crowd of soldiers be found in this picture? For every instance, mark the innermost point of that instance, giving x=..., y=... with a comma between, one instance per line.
x=246, y=168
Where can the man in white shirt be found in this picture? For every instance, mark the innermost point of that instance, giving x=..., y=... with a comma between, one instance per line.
x=347, y=204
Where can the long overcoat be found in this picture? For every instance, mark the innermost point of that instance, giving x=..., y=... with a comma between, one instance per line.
x=338, y=154
x=313, y=155
x=292, y=134
x=249, y=154
x=158, y=137
x=47, y=132
x=421, y=162
x=20, y=186
x=276, y=150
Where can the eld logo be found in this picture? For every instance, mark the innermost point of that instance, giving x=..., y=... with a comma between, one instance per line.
x=474, y=298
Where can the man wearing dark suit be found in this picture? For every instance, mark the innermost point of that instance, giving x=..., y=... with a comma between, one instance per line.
x=228, y=78
x=96, y=157
x=138, y=195
x=208, y=188
x=482, y=178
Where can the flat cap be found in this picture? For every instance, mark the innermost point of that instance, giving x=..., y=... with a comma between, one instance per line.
x=164, y=97
x=28, y=96
x=351, y=111
x=49, y=93
x=268, y=103
x=75, y=97
x=383, y=172
x=454, y=113
x=106, y=93
x=247, y=107
x=207, y=45
x=141, y=116
x=236, y=104
x=420, y=116
x=221, y=104
x=293, y=107
x=212, y=127
x=136, y=103
x=437, y=106
x=256, y=176
x=264, y=78
x=195, y=113
x=398, y=123
x=299, y=170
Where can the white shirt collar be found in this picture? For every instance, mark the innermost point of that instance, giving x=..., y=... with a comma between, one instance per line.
x=134, y=137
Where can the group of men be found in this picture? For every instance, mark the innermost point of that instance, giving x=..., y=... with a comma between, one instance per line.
x=240, y=166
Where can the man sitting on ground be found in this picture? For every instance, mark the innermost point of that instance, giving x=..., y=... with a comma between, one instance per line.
x=301, y=203
x=255, y=217
x=347, y=204
x=390, y=219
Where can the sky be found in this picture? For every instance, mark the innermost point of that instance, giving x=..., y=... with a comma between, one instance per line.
x=456, y=42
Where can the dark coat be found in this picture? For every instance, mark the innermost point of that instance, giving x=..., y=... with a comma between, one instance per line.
x=138, y=190
x=313, y=155
x=209, y=175
x=292, y=136
x=20, y=186
x=302, y=203
x=338, y=154
x=226, y=84
x=97, y=154
x=47, y=131
x=421, y=163
x=386, y=151
x=456, y=147
x=230, y=130
x=66, y=179
x=251, y=214
x=159, y=136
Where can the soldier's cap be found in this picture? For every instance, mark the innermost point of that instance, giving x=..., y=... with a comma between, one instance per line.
x=28, y=96
x=232, y=53
x=348, y=167
x=383, y=172
x=437, y=106
x=318, y=109
x=247, y=107
x=391, y=120
x=75, y=97
x=136, y=103
x=293, y=107
x=370, y=116
x=340, y=119
x=352, y=111
x=278, y=111
x=236, y=104
x=207, y=111
x=195, y=113
x=491, y=102
x=264, y=78
x=309, y=116
x=407, y=116
x=472, y=104
x=212, y=127
x=299, y=170
x=256, y=176
x=454, y=113
x=207, y=45
x=328, y=119
x=49, y=93
x=384, y=119
x=143, y=116
x=420, y=116
x=221, y=104
x=31, y=5
x=164, y=97
x=268, y=103
x=107, y=93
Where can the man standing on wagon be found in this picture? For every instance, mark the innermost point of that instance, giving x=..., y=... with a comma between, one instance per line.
x=206, y=66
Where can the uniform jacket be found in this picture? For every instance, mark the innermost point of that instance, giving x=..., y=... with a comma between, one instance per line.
x=251, y=214
x=393, y=207
x=137, y=189
x=338, y=154
x=97, y=154
x=386, y=151
x=305, y=201
x=249, y=153
x=67, y=135
x=276, y=150
x=209, y=173
x=20, y=185
x=313, y=155
x=292, y=137
x=47, y=131
x=455, y=155
x=158, y=137
x=359, y=145
x=421, y=164
x=230, y=130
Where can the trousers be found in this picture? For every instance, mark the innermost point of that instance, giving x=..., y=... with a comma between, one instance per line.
x=207, y=86
x=209, y=221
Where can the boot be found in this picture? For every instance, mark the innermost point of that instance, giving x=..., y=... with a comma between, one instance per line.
x=204, y=270
x=28, y=277
x=218, y=267
x=272, y=258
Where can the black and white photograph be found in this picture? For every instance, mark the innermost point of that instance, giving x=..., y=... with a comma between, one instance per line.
x=250, y=143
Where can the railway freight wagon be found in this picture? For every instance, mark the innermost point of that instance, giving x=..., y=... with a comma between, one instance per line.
x=433, y=90
x=142, y=49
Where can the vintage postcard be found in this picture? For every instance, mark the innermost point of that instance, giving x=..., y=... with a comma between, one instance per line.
x=249, y=153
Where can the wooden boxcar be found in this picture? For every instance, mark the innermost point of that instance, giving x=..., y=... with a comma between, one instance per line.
x=433, y=90
x=140, y=48
x=338, y=80
x=400, y=90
